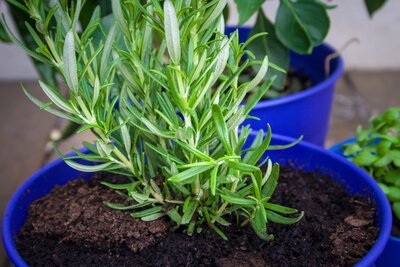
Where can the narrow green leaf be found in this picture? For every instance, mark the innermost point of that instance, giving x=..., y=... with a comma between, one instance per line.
x=128, y=187
x=221, y=128
x=213, y=180
x=152, y=217
x=236, y=199
x=175, y=216
x=189, y=212
x=55, y=97
x=87, y=168
x=269, y=187
x=172, y=34
x=275, y=217
x=219, y=232
x=147, y=212
x=217, y=11
x=259, y=151
x=118, y=206
x=187, y=174
x=279, y=208
x=69, y=59
x=243, y=167
x=271, y=46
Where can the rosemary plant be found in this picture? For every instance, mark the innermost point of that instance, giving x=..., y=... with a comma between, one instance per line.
x=157, y=83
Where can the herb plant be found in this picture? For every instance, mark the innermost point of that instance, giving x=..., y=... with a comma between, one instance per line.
x=157, y=84
x=377, y=150
x=23, y=22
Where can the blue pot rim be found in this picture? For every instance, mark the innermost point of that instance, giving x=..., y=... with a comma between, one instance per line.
x=367, y=260
x=336, y=149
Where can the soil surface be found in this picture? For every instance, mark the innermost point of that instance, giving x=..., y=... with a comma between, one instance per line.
x=72, y=227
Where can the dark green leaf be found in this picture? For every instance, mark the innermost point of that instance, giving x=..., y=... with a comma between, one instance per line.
x=374, y=5
x=247, y=8
x=301, y=25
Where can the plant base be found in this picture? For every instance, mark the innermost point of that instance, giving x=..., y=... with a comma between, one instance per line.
x=72, y=227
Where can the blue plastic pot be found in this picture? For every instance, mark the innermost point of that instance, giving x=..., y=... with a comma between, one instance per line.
x=306, y=155
x=304, y=113
x=389, y=256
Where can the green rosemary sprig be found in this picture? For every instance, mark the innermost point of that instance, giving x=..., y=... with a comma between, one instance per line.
x=157, y=83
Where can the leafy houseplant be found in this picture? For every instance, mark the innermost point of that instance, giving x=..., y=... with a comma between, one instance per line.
x=154, y=115
x=377, y=150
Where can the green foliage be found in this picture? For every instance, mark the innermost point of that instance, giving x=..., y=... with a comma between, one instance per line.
x=374, y=5
x=23, y=23
x=157, y=83
x=377, y=150
x=299, y=26
x=271, y=46
x=3, y=35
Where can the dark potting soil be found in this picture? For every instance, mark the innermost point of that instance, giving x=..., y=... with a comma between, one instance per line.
x=72, y=227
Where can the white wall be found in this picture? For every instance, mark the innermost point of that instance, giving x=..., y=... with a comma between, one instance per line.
x=379, y=46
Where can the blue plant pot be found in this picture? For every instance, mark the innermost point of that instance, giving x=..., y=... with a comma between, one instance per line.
x=304, y=113
x=389, y=256
x=307, y=155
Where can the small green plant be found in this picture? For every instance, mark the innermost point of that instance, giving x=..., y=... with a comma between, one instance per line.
x=377, y=150
x=157, y=84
